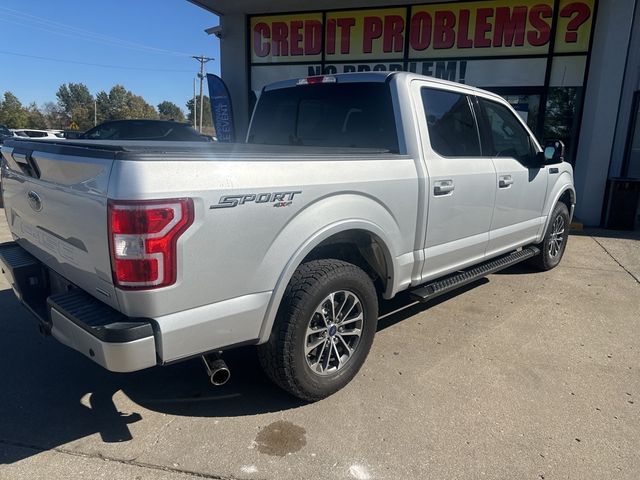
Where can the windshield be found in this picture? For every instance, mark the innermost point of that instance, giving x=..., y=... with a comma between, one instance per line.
x=4, y=130
x=330, y=115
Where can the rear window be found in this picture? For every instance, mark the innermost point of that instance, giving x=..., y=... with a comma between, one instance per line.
x=356, y=115
x=132, y=130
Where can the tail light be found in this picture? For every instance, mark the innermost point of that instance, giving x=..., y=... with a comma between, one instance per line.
x=143, y=236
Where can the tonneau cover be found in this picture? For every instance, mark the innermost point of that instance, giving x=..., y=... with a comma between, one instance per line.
x=147, y=150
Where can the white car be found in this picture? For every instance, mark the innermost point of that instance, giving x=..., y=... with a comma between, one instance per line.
x=32, y=133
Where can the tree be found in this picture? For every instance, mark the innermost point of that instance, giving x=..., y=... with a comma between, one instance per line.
x=121, y=104
x=207, y=119
x=170, y=111
x=35, y=118
x=12, y=113
x=77, y=103
x=137, y=107
x=54, y=116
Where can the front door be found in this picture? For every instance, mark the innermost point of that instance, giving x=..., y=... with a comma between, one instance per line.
x=521, y=186
x=461, y=182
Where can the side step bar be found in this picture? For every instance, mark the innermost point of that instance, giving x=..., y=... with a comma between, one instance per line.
x=445, y=285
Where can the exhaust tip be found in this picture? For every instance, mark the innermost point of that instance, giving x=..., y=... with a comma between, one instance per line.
x=220, y=377
x=217, y=370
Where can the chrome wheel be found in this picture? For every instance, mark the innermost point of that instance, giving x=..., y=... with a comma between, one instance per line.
x=334, y=332
x=557, y=236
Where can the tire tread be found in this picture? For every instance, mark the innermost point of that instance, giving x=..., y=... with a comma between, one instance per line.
x=277, y=355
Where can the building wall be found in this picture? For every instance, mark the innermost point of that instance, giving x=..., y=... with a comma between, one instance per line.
x=602, y=101
x=630, y=86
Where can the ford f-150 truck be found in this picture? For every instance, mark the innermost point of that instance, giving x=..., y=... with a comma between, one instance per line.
x=349, y=189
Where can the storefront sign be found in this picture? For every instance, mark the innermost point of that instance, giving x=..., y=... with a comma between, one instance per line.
x=486, y=43
x=446, y=30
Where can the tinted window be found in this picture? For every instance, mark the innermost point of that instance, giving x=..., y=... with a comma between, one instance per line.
x=507, y=136
x=4, y=130
x=452, y=128
x=35, y=134
x=142, y=130
x=332, y=115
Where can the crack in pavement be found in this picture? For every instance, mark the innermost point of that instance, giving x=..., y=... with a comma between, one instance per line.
x=616, y=260
x=156, y=440
x=134, y=463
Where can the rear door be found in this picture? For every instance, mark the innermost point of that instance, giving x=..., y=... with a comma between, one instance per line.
x=55, y=202
x=461, y=182
x=521, y=185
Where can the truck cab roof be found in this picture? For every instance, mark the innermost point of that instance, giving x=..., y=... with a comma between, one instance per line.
x=376, y=77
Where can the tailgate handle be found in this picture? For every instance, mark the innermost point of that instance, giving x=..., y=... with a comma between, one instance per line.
x=27, y=163
x=21, y=157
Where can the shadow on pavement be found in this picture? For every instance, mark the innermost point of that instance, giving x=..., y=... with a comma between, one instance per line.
x=52, y=395
x=601, y=232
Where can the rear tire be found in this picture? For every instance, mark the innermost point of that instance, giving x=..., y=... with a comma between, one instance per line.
x=323, y=331
x=555, y=240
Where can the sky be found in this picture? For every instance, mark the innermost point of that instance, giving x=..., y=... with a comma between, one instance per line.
x=144, y=45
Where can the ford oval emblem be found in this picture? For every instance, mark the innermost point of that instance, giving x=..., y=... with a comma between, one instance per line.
x=35, y=201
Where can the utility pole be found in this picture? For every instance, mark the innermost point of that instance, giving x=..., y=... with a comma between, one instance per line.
x=95, y=112
x=202, y=59
x=195, y=109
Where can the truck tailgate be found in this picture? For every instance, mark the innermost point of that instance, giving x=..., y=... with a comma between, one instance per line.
x=56, y=208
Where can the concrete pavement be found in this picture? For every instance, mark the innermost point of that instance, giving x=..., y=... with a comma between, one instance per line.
x=524, y=375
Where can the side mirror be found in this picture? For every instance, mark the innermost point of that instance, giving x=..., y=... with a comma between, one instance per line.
x=553, y=152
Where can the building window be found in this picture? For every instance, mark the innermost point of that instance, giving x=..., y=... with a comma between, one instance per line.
x=562, y=118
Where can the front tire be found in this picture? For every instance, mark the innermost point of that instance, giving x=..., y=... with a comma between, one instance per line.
x=323, y=331
x=555, y=240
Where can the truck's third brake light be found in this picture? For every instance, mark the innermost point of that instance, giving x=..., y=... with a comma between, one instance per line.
x=316, y=80
x=143, y=236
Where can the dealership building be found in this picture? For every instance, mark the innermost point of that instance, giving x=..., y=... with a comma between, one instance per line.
x=570, y=68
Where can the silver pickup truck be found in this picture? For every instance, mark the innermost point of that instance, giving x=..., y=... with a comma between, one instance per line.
x=349, y=189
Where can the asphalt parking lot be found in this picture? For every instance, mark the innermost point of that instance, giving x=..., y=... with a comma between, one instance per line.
x=521, y=376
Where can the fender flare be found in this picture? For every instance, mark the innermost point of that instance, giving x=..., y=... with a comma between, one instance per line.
x=307, y=246
x=561, y=191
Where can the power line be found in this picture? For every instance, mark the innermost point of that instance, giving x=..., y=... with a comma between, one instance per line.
x=59, y=28
x=101, y=65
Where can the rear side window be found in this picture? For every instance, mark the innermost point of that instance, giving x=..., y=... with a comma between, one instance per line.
x=452, y=127
x=508, y=138
x=329, y=115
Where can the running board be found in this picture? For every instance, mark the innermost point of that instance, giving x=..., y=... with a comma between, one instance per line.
x=457, y=280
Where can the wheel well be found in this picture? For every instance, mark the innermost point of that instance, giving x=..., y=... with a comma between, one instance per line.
x=567, y=199
x=359, y=247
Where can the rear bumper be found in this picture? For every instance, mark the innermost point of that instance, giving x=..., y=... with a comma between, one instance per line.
x=76, y=319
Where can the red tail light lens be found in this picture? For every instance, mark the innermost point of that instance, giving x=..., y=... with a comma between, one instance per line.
x=143, y=237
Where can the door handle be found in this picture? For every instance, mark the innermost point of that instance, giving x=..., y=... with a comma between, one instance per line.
x=505, y=181
x=443, y=187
